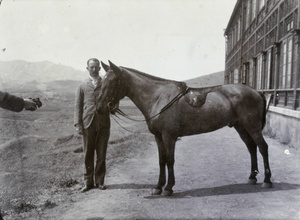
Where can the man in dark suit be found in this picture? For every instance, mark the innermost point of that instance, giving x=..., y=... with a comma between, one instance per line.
x=16, y=104
x=93, y=125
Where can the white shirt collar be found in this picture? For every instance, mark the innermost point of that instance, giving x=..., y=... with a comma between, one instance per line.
x=95, y=80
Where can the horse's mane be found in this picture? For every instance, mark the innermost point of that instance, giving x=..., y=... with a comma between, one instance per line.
x=151, y=77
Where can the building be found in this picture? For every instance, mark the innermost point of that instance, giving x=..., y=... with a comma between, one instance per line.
x=262, y=51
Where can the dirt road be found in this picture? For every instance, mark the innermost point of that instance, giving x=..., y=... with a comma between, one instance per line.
x=211, y=171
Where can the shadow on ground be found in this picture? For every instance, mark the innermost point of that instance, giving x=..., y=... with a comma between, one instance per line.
x=130, y=186
x=229, y=190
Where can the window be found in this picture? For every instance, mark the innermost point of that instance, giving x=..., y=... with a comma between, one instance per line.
x=290, y=25
x=247, y=19
x=245, y=73
x=261, y=4
x=285, y=73
x=289, y=22
x=231, y=41
x=236, y=76
x=251, y=73
x=238, y=29
x=268, y=76
x=228, y=43
x=289, y=63
x=259, y=72
x=253, y=9
x=296, y=72
x=231, y=77
x=233, y=37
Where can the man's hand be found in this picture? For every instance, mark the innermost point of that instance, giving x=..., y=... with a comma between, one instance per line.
x=37, y=102
x=30, y=105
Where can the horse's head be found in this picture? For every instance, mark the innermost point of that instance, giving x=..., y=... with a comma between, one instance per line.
x=113, y=89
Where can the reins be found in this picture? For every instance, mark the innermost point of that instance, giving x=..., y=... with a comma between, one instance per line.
x=176, y=98
x=120, y=124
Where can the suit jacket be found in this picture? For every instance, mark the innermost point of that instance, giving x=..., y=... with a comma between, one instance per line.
x=86, y=102
x=11, y=102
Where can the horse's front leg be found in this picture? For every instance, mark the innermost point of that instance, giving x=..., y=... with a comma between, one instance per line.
x=162, y=166
x=169, y=143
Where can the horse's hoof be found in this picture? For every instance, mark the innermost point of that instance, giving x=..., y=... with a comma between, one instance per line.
x=156, y=192
x=267, y=185
x=167, y=193
x=251, y=181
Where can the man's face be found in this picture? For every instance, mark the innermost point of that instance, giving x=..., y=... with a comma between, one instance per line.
x=93, y=68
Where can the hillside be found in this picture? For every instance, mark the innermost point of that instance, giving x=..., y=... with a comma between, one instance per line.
x=50, y=81
x=45, y=80
x=19, y=76
x=20, y=71
x=55, y=84
x=212, y=79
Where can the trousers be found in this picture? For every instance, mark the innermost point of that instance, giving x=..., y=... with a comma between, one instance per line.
x=95, y=139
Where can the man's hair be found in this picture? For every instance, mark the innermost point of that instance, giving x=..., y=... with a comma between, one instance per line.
x=93, y=59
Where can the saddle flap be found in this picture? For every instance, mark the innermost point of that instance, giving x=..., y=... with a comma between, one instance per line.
x=196, y=97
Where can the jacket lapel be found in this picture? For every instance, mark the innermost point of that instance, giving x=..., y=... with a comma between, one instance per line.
x=90, y=84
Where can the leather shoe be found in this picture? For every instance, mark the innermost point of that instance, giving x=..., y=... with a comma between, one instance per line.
x=87, y=188
x=101, y=187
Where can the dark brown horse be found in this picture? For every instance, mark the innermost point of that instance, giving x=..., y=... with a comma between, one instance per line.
x=173, y=110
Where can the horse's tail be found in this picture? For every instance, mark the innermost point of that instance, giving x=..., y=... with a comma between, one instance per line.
x=264, y=109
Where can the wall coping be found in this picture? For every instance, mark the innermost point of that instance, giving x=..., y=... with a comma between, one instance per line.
x=284, y=111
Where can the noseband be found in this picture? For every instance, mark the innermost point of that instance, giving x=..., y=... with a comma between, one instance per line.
x=113, y=107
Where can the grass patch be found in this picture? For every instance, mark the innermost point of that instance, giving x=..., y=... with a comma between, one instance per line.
x=49, y=205
x=49, y=171
x=24, y=207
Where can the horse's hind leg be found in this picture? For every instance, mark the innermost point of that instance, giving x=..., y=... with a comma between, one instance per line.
x=263, y=148
x=252, y=148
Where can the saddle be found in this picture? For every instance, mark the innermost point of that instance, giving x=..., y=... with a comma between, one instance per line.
x=196, y=97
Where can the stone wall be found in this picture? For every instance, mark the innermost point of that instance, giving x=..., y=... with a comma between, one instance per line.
x=284, y=125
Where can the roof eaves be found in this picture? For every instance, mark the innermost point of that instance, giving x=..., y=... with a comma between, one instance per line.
x=238, y=2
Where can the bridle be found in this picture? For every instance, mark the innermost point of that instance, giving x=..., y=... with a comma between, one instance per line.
x=110, y=106
x=113, y=108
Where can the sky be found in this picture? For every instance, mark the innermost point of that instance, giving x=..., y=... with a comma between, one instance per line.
x=173, y=39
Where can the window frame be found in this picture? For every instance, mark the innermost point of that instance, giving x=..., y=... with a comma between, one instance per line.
x=285, y=76
x=259, y=71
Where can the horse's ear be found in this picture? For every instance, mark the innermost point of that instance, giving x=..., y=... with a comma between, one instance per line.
x=115, y=68
x=105, y=67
